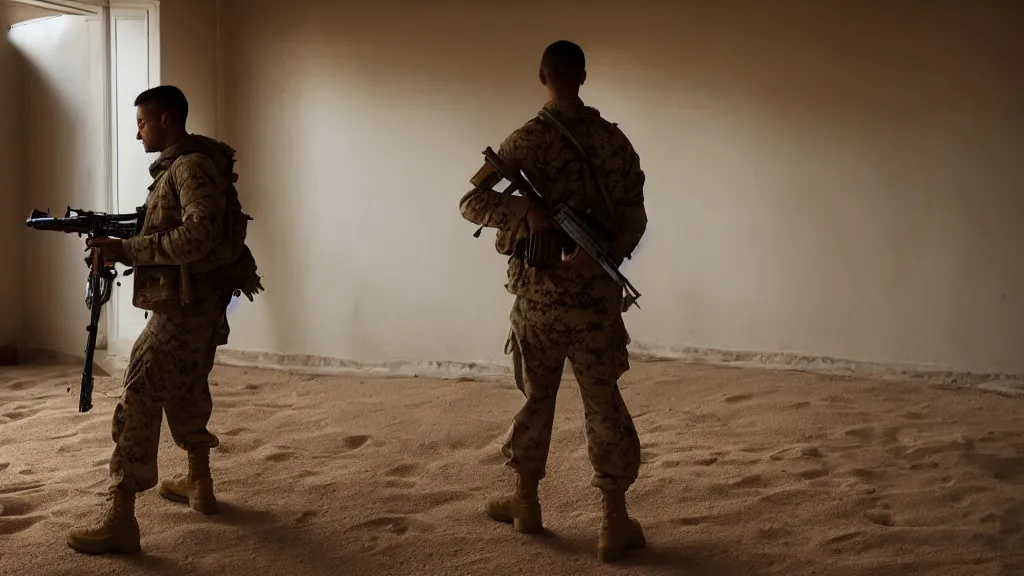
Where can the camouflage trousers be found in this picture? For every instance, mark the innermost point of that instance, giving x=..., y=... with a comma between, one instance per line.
x=542, y=338
x=167, y=372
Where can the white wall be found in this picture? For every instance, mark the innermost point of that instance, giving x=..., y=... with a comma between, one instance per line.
x=11, y=216
x=64, y=164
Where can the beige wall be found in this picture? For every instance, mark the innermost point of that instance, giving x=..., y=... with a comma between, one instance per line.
x=188, y=37
x=11, y=215
x=823, y=177
x=831, y=177
x=62, y=147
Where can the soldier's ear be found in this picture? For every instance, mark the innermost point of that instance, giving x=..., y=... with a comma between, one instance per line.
x=543, y=77
x=583, y=78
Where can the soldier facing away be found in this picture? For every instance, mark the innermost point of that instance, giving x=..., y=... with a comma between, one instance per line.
x=188, y=260
x=571, y=308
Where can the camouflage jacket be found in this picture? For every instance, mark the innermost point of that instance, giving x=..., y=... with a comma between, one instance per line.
x=185, y=225
x=555, y=166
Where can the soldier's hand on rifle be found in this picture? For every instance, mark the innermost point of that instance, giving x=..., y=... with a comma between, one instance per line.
x=576, y=258
x=111, y=249
x=538, y=220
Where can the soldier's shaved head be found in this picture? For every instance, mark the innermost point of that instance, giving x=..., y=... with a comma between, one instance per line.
x=563, y=68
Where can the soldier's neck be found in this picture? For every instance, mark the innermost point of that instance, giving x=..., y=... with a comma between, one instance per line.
x=175, y=139
x=563, y=95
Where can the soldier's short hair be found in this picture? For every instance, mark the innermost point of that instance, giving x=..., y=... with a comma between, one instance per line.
x=564, y=62
x=166, y=99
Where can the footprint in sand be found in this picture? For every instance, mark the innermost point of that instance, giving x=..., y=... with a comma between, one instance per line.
x=389, y=524
x=400, y=483
x=844, y=538
x=423, y=502
x=19, y=385
x=17, y=489
x=355, y=442
x=305, y=517
x=735, y=398
x=16, y=516
x=279, y=456
x=21, y=414
x=4, y=466
x=236, y=431
x=880, y=517
x=377, y=532
x=404, y=470
x=753, y=481
x=793, y=452
x=862, y=433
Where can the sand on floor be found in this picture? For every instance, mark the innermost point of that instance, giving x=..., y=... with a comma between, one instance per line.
x=744, y=472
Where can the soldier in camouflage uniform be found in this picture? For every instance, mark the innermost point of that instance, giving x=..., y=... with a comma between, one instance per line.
x=572, y=309
x=188, y=260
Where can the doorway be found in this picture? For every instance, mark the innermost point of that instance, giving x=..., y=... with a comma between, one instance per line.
x=85, y=64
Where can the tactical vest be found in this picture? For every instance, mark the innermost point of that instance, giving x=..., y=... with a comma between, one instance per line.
x=231, y=260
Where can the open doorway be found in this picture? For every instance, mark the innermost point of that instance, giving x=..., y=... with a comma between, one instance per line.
x=84, y=63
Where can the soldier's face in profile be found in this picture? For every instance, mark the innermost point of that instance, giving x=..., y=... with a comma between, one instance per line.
x=150, y=127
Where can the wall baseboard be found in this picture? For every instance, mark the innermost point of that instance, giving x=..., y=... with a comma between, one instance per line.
x=1004, y=383
x=313, y=364
x=999, y=383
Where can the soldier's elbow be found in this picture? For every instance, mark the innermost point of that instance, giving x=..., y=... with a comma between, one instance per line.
x=467, y=208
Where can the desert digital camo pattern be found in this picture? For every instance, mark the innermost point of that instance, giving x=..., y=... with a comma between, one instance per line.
x=568, y=311
x=182, y=277
x=168, y=372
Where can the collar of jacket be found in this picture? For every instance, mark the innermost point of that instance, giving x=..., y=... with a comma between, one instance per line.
x=186, y=146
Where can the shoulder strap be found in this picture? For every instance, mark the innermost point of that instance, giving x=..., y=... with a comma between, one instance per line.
x=545, y=115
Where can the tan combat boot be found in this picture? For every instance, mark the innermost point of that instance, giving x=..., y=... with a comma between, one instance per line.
x=619, y=532
x=116, y=533
x=522, y=508
x=194, y=488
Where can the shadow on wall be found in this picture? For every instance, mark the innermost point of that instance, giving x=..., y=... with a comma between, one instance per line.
x=11, y=228
x=63, y=163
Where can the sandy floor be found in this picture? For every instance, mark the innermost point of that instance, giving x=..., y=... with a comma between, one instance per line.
x=745, y=472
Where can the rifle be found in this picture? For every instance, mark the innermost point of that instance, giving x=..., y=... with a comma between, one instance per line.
x=101, y=275
x=588, y=235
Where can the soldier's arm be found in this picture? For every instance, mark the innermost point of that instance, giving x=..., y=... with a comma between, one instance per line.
x=632, y=213
x=202, y=205
x=485, y=207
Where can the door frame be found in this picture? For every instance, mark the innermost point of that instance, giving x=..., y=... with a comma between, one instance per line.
x=117, y=343
x=108, y=11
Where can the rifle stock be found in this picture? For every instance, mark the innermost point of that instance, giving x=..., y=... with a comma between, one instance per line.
x=591, y=238
x=101, y=275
